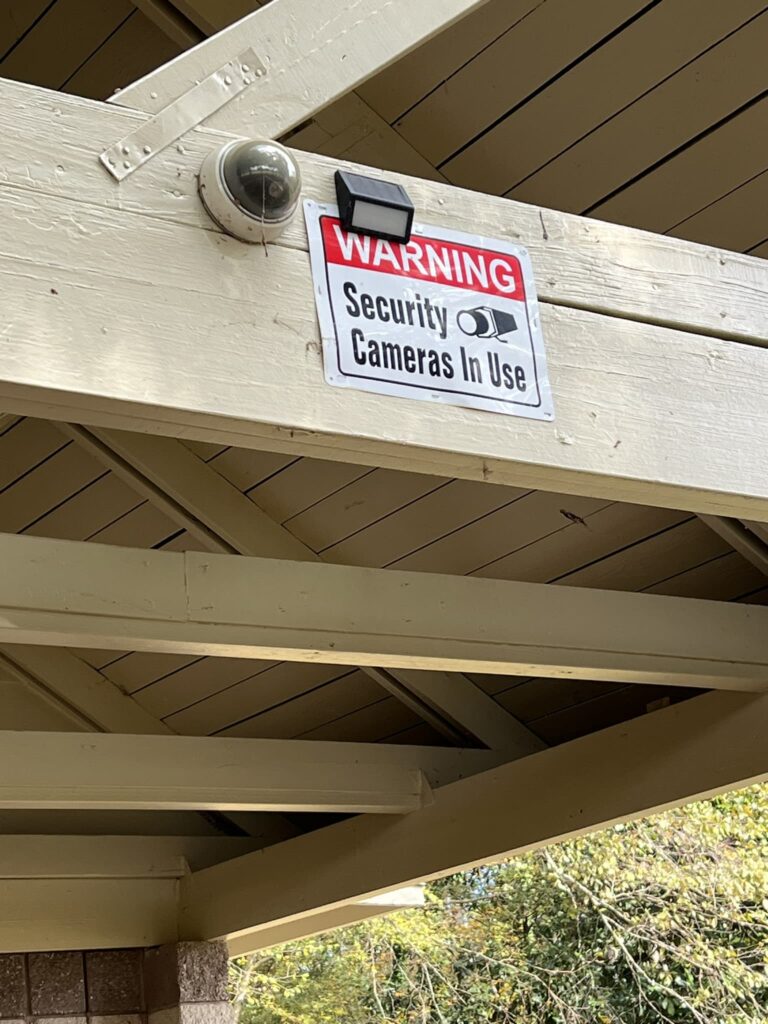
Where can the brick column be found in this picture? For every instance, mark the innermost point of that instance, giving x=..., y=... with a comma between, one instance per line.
x=185, y=983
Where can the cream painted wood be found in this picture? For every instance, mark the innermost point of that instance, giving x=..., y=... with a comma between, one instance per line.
x=200, y=499
x=213, y=15
x=112, y=772
x=341, y=917
x=23, y=706
x=81, y=692
x=312, y=54
x=351, y=130
x=64, y=38
x=622, y=773
x=692, y=101
x=74, y=856
x=698, y=175
x=731, y=221
x=634, y=61
x=137, y=47
x=605, y=268
x=180, y=484
x=749, y=545
x=76, y=594
x=631, y=448
x=400, y=86
x=24, y=445
x=49, y=914
x=465, y=703
x=517, y=64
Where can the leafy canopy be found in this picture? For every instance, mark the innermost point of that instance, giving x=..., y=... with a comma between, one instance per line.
x=662, y=920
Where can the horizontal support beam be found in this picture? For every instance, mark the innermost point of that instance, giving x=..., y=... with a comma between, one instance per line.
x=692, y=750
x=50, y=770
x=68, y=593
x=325, y=921
x=73, y=856
x=49, y=914
x=112, y=323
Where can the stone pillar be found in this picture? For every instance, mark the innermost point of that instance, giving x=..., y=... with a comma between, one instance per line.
x=185, y=983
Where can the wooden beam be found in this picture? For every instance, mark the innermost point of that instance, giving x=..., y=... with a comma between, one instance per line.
x=614, y=300
x=458, y=709
x=87, y=595
x=325, y=921
x=86, y=696
x=49, y=770
x=195, y=496
x=693, y=750
x=50, y=914
x=74, y=856
x=749, y=544
x=312, y=54
x=198, y=498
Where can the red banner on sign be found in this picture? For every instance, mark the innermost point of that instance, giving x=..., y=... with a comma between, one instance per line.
x=426, y=259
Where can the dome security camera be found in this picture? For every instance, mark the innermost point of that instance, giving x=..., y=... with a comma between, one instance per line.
x=251, y=189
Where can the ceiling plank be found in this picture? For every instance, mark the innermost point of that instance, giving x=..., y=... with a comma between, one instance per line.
x=70, y=593
x=622, y=773
x=75, y=856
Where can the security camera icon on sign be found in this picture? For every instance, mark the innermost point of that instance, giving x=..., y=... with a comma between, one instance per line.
x=484, y=322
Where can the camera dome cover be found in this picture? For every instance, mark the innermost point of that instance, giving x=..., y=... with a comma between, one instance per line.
x=263, y=179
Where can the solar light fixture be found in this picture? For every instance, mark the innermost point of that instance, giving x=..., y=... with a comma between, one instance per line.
x=251, y=188
x=368, y=206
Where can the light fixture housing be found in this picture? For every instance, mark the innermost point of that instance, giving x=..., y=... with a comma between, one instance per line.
x=251, y=188
x=368, y=206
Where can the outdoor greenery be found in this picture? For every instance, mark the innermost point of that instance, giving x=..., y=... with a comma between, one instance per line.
x=662, y=920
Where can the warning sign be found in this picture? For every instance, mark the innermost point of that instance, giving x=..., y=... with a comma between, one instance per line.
x=449, y=317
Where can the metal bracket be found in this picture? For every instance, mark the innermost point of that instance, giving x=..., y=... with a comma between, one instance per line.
x=185, y=113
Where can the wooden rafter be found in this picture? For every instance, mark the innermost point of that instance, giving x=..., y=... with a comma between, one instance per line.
x=312, y=55
x=81, y=594
x=86, y=696
x=692, y=750
x=198, y=498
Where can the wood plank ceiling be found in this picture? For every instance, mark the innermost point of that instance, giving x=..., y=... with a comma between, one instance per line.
x=652, y=114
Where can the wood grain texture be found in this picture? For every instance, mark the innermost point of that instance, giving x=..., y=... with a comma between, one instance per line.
x=75, y=594
x=618, y=444
x=625, y=772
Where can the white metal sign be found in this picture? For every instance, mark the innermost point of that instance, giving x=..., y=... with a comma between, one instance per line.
x=449, y=317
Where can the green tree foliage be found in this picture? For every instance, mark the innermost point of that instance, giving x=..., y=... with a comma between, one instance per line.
x=662, y=920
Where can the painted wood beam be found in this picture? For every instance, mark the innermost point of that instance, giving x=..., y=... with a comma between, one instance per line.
x=88, y=595
x=86, y=696
x=315, y=924
x=312, y=55
x=49, y=771
x=749, y=544
x=49, y=914
x=198, y=498
x=113, y=322
x=75, y=856
x=690, y=751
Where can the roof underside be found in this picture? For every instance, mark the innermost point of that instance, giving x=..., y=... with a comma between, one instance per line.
x=649, y=114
